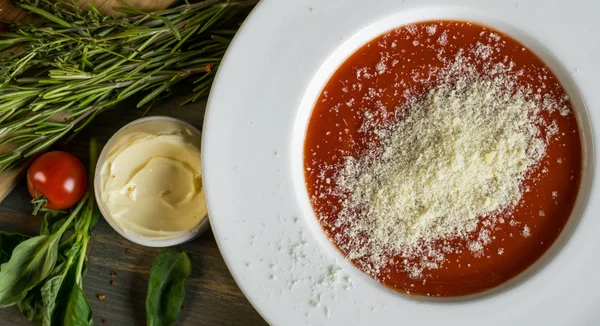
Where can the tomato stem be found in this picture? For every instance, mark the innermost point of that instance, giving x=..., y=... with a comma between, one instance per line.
x=39, y=203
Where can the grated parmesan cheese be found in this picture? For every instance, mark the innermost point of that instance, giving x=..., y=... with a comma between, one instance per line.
x=456, y=154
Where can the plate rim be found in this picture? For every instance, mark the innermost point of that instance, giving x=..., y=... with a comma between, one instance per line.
x=263, y=8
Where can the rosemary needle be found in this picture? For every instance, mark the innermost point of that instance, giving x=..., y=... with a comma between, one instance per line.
x=57, y=77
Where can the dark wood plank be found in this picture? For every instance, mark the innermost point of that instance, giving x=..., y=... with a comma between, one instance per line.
x=212, y=297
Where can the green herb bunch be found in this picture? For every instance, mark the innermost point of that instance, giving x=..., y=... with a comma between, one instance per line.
x=56, y=78
x=43, y=275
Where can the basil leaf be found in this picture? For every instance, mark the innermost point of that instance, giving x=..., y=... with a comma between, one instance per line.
x=69, y=248
x=49, y=291
x=45, y=227
x=8, y=242
x=30, y=263
x=166, y=287
x=52, y=223
x=45, y=304
x=32, y=307
x=78, y=310
x=41, y=302
x=58, y=285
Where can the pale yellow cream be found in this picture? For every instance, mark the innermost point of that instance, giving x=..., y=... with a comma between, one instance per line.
x=152, y=181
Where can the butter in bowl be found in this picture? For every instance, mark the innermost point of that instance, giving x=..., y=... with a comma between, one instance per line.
x=148, y=182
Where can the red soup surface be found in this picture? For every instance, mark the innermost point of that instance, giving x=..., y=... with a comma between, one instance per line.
x=401, y=64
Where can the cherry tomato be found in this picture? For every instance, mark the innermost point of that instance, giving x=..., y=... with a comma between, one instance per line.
x=58, y=178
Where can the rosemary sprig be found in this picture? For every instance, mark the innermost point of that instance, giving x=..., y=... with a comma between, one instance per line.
x=56, y=78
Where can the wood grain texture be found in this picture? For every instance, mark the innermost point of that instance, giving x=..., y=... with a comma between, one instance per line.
x=10, y=12
x=212, y=296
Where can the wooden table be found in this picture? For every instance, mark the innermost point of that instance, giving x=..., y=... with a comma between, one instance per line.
x=212, y=296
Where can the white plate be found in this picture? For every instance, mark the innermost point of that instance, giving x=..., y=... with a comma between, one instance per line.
x=252, y=161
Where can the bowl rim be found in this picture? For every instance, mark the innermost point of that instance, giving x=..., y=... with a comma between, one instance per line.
x=134, y=237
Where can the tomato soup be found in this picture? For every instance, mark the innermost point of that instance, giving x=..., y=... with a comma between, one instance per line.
x=379, y=78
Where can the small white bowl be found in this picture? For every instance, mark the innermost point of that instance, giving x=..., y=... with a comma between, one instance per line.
x=137, y=238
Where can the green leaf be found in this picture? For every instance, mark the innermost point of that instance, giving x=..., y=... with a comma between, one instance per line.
x=50, y=290
x=52, y=222
x=30, y=263
x=45, y=304
x=32, y=307
x=8, y=242
x=59, y=287
x=78, y=311
x=166, y=287
x=164, y=87
x=170, y=25
x=46, y=15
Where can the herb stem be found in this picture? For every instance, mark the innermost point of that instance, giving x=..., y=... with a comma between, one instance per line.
x=84, y=232
x=84, y=244
x=74, y=213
